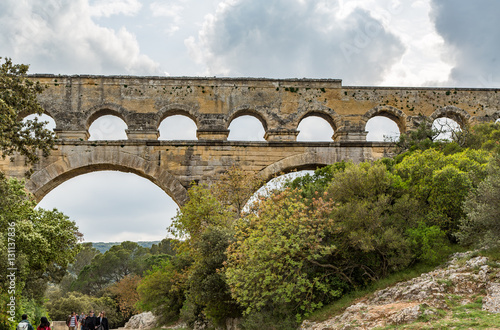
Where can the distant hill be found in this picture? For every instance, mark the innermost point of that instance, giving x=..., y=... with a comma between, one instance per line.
x=103, y=247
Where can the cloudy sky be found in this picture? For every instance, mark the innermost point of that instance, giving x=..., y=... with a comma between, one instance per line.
x=363, y=42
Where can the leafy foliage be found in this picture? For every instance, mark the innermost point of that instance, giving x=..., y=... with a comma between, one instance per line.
x=17, y=100
x=110, y=267
x=43, y=243
x=269, y=262
x=126, y=294
x=441, y=182
x=481, y=225
x=163, y=289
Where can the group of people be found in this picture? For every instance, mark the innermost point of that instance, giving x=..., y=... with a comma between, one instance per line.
x=74, y=322
x=87, y=322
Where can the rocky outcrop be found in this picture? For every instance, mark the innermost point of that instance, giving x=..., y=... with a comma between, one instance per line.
x=464, y=277
x=144, y=320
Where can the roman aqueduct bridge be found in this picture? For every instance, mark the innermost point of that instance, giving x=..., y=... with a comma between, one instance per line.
x=75, y=102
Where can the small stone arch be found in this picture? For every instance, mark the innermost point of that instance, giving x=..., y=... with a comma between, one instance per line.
x=106, y=109
x=177, y=109
x=247, y=111
x=395, y=114
x=327, y=114
x=459, y=115
x=43, y=180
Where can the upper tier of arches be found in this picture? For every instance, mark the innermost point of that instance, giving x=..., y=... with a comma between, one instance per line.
x=143, y=103
x=150, y=122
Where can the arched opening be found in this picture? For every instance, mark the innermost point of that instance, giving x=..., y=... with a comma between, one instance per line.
x=381, y=128
x=108, y=127
x=50, y=123
x=177, y=127
x=445, y=127
x=314, y=128
x=112, y=206
x=246, y=128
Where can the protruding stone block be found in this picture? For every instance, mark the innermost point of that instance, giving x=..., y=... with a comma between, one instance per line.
x=142, y=134
x=354, y=136
x=72, y=135
x=281, y=135
x=212, y=134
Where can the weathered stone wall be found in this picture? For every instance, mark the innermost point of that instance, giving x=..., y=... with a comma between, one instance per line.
x=143, y=102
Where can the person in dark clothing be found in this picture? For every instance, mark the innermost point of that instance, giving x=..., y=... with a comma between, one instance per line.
x=24, y=324
x=102, y=321
x=90, y=322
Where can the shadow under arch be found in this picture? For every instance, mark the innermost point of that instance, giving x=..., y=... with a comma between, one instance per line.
x=42, y=181
x=174, y=110
x=394, y=114
x=105, y=109
x=459, y=115
x=247, y=111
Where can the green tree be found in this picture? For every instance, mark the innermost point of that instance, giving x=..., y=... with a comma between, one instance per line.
x=481, y=225
x=163, y=289
x=108, y=268
x=314, y=185
x=441, y=182
x=206, y=225
x=126, y=294
x=17, y=100
x=38, y=243
x=269, y=264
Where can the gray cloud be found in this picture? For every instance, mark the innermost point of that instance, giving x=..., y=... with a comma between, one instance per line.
x=61, y=37
x=292, y=38
x=471, y=32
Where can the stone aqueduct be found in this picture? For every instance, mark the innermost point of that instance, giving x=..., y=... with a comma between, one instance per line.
x=74, y=102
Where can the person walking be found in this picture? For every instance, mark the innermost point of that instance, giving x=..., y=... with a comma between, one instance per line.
x=81, y=319
x=102, y=322
x=90, y=322
x=24, y=324
x=72, y=321
x=44, y=324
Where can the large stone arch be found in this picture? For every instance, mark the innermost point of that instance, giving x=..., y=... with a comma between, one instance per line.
x=46, y=178
x=246, y=110
x=395, y=114
x=459, y=115
x=305, y=161
x=104, y=109
x=177, y=109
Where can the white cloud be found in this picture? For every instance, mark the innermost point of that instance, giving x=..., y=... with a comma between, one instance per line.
x=168, y=10
x=291, y=38
x=107, y=8
x=60, y=37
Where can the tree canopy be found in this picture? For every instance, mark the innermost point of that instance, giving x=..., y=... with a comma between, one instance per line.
x=18, y=99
